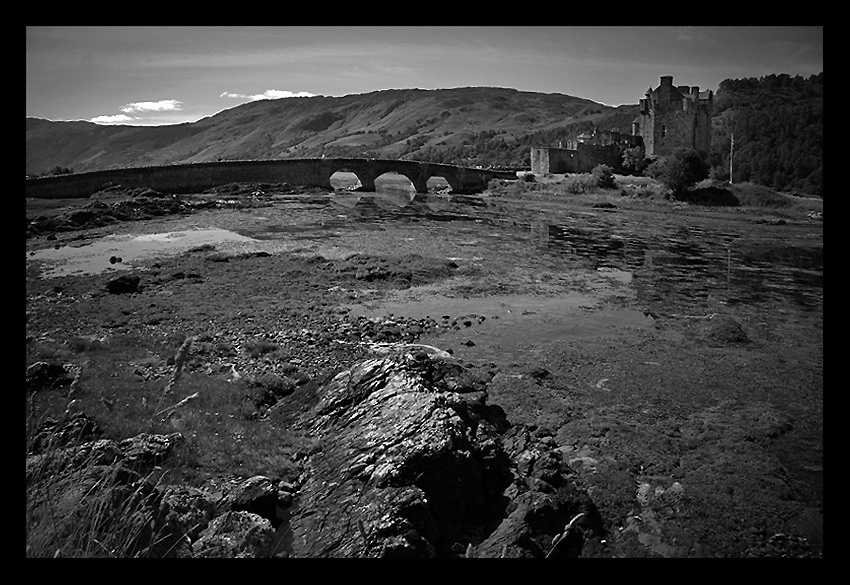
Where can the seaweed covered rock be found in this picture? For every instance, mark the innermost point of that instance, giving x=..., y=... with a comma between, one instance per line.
x=125, y=283
x=723, y=331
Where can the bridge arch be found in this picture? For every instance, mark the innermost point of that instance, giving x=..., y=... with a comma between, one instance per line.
x=363, y=173
x=395, y=182
x=437, y=183
x=448, y=175
x=345, y=180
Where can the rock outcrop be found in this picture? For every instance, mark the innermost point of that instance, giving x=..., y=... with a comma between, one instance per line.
x=408, y=461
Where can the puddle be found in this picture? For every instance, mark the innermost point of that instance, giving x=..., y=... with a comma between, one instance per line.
x=420, y=303
x=94, y=257
x=512, y=325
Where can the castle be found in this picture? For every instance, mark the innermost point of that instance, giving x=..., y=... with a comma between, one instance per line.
x=674, y=117
x=670, y=117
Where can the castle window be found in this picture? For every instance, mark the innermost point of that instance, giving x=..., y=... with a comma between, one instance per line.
x=663, y=130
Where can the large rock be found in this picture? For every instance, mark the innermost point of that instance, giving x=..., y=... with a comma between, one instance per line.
x=723, y=331
x=256, y=494
x=47, y=376
x=125, y=283
x=190, y=509
x=66, y=446
x=408, y=462
x=74, y=429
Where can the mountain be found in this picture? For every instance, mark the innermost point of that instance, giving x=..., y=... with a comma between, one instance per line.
x=472, y=125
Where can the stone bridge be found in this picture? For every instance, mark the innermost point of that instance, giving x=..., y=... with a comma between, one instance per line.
x=308, y=172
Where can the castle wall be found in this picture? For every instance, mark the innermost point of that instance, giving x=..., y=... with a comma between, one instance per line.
x=553, y=160
x=593, y=155
x=582, y=159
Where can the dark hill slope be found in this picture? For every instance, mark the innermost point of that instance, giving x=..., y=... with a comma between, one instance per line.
x=474, y=125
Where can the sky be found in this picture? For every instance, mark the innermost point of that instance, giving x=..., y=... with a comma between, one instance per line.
x=152, y=75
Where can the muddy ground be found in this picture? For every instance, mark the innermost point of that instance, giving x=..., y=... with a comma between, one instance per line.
x=673, y=353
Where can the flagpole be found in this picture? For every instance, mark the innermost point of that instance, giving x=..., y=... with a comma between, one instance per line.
x=731, y=153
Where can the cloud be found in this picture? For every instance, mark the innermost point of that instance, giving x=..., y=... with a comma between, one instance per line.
x=269, y=94
x=144, y=108
x=160, y=106
x=116, y=119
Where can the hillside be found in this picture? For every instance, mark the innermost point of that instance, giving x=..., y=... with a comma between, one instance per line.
x=475, y=125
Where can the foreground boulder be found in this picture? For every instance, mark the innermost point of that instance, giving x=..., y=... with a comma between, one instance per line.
x=408, y=461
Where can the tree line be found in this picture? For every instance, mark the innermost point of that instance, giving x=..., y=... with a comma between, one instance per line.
x=777, y=124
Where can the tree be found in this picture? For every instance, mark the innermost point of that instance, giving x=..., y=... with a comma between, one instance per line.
x=680, y=170
x=57, y=170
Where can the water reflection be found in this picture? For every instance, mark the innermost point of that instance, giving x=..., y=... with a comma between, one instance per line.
x=600, y=247
x=693, y=262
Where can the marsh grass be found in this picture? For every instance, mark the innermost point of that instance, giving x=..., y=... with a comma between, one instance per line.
x=78, y=505
x=759, y=196
x=84, y=505
x=92, y=512
x=584, y=187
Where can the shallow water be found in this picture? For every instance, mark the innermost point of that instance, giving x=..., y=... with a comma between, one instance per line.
x=660, y=258
x=692, y=262
x=120, y=252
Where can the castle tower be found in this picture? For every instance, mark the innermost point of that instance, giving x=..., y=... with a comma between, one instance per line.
x=675, y=117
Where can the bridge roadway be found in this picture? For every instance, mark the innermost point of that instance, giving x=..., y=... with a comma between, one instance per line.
x=308, y=172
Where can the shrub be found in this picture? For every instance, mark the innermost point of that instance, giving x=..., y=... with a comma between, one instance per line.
x=603, y=175
x=680, y=170
x=81, y=344
x=577, y=184
x=257, y=347
x=263, y=392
